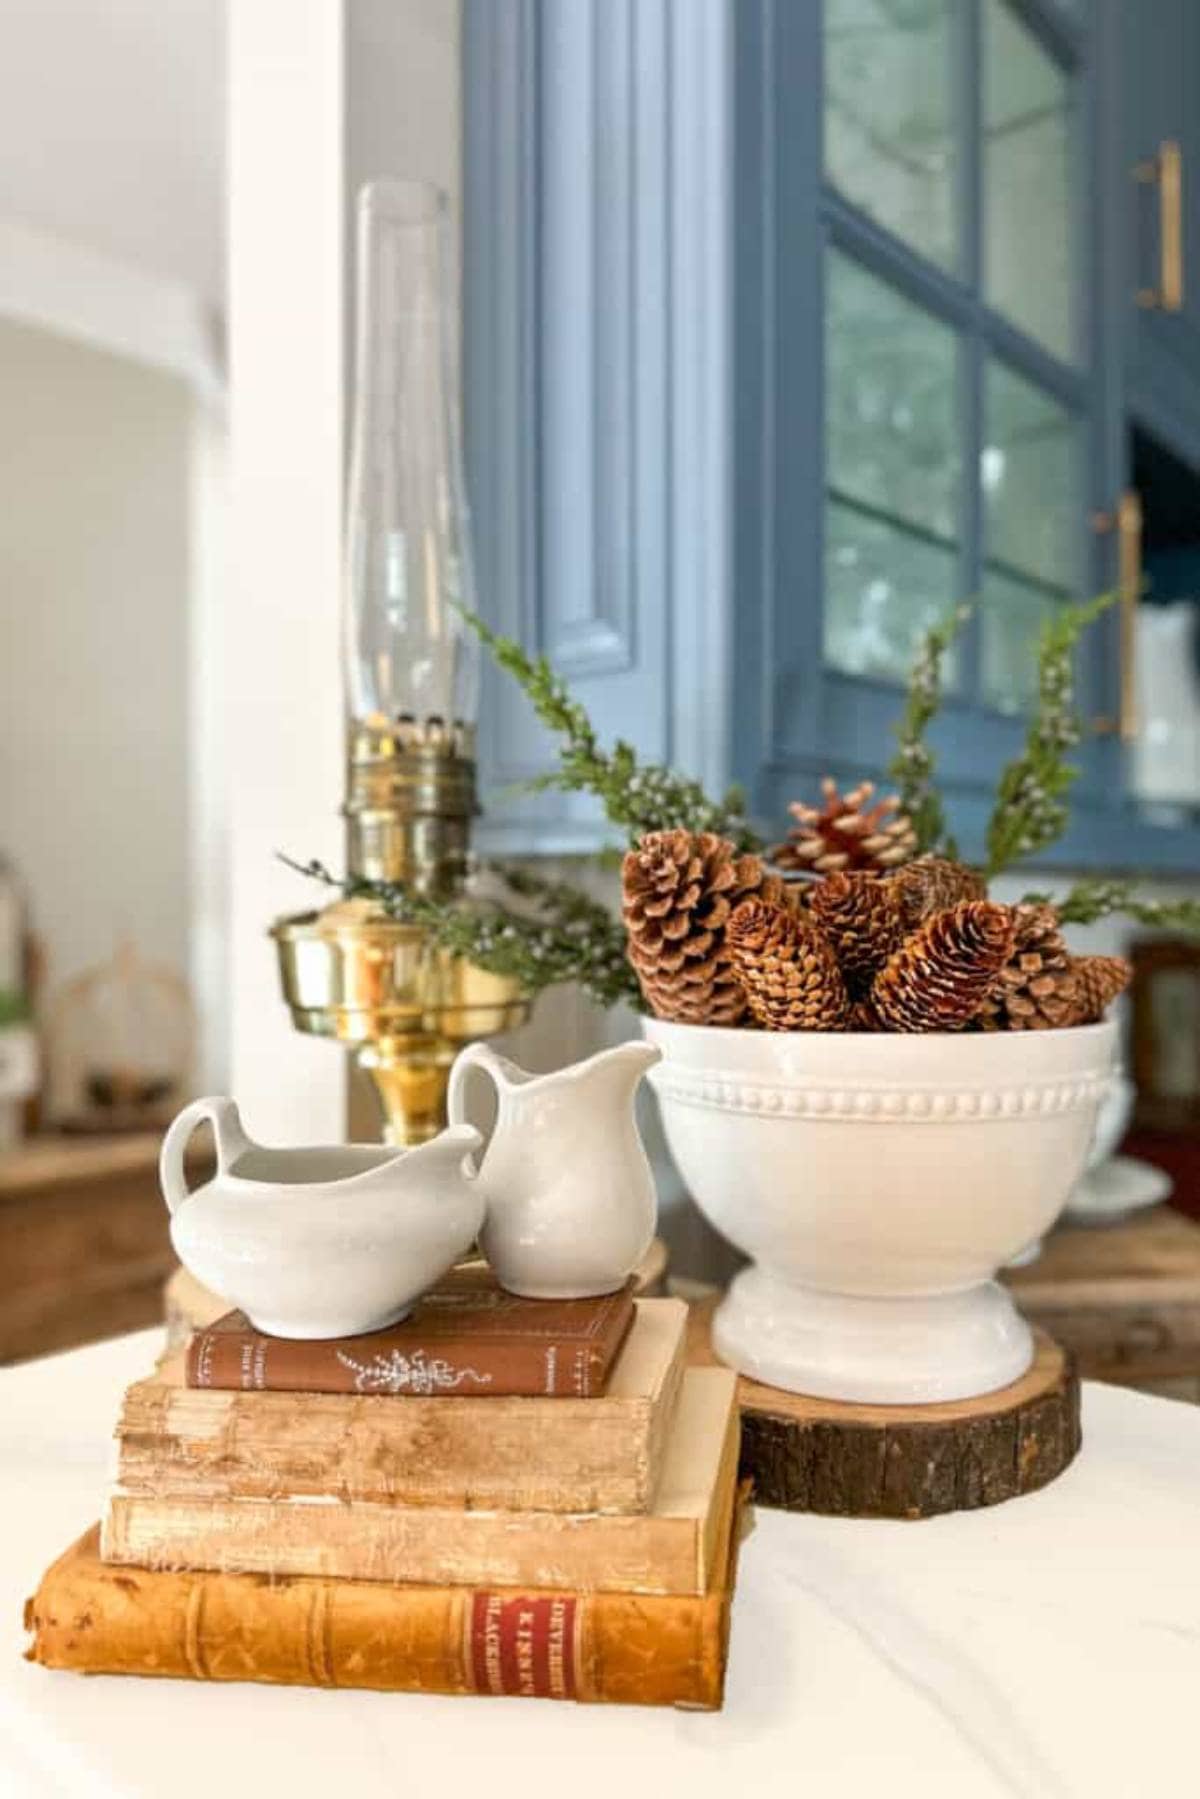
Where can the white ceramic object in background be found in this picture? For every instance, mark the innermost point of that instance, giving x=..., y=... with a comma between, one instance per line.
x=878, y=1182
x=1112, y=1120
x=570, y=1198
x=324, y=1241
x=1165, y=753
x=1116, y=1190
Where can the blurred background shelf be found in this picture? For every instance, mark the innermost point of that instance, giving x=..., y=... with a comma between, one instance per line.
x=84, y=1247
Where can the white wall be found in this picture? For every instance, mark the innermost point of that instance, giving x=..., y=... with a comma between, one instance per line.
x=112, y=129
x=94, y=574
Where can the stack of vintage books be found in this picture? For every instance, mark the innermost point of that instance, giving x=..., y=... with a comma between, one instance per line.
x=497, y=1495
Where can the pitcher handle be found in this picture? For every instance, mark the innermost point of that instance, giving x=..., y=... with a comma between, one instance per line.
x=231, y=1141
x=483, y=1057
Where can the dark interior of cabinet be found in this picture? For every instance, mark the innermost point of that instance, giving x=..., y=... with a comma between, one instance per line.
x=1170, y=493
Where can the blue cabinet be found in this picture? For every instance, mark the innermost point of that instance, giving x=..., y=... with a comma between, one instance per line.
x=789, y=324
x=591, y=343
x=1157, y=214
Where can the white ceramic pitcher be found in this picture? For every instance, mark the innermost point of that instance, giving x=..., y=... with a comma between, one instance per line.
x=570, y=1197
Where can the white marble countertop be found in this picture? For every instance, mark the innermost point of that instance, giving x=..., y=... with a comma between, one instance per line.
x=1048, y=1648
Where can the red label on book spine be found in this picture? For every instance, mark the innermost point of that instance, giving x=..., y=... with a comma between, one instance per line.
x=523, y=1644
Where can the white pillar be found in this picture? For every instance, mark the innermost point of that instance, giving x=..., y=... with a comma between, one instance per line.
x=323, y=95
x=282, y=702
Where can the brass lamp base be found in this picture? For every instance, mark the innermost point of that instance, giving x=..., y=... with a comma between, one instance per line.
x=405, y=1007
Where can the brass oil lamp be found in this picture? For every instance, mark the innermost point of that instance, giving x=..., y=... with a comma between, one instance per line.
x=350, y=972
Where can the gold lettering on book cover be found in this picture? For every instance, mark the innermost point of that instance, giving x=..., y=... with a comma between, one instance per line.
x=523, y=1643
x=491, y=1644
x=557, y=1648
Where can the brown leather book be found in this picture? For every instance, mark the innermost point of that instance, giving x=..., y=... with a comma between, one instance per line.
x=467, y=1337
x=299, y=1631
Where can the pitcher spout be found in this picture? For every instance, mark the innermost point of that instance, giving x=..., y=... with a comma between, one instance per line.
x=627, y=1062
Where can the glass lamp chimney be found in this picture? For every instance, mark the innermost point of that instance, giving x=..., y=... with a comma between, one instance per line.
x=408, y=655
x=411, y=665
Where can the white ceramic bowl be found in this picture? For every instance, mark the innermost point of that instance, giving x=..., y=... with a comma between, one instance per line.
x=878, y=1182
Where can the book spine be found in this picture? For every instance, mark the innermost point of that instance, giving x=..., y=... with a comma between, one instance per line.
x=246, y=1362
x=324, y=1538
x=593, y=1647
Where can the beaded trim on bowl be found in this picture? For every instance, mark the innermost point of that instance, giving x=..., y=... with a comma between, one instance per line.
x=882, y=1105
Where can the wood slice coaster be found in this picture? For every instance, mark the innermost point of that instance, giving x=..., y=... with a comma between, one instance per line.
x=896, y=1461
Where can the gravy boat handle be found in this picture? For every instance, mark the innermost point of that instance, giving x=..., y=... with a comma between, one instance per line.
x=231, y=1141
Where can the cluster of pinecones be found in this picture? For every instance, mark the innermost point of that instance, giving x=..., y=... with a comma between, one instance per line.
x=874, y=944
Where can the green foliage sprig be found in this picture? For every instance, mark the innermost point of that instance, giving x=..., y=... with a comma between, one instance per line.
x=638, y=796
x=912, y=767
x=14, y=1008
x=1029, y=812
x=1093, y=899
x=565, y=935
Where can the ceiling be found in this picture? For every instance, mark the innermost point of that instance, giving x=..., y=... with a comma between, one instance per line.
x=112, y=129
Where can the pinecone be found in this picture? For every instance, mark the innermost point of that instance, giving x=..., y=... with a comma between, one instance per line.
x=863, y=1017
x=678, y=890
x=847, y=832
x=1037, y=988
x=1098, y=980
x=860, y=914
x=933, y=884
x=788, y=970
x=940, y=977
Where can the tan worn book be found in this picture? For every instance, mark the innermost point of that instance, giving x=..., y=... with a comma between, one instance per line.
x=602, y=1454
x=670, y=1549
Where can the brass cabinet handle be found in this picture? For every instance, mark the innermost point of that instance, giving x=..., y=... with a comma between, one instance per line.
x=1166, y=169
x=1127, y=522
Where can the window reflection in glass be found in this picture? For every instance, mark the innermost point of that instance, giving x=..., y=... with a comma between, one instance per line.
x=1028, y=223
x=890, y=115
x=1030, y=478
x=891, y=409
x=894, y=470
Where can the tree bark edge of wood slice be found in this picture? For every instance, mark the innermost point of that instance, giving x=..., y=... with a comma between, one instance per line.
x=919, y=1461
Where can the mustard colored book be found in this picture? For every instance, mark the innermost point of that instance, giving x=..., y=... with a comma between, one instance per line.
x=599, y=1647
x=603, y=1454
x=673, y=1548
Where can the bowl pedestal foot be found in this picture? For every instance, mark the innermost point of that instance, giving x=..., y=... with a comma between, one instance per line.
x=882, y=1351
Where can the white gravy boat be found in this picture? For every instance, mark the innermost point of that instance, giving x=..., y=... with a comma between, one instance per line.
x=321, y=1241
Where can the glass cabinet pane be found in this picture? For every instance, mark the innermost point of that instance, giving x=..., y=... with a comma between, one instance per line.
x=891, y=408
x=894, y=472
x=1028, y=210
x=891, y=114
x=884, y=587
x=1013, y=614
x=1029, y=470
